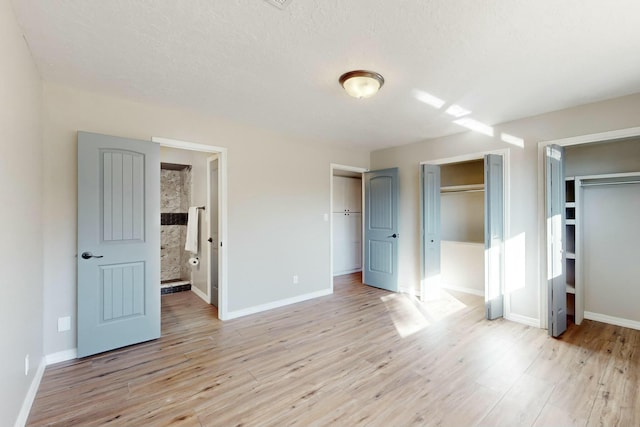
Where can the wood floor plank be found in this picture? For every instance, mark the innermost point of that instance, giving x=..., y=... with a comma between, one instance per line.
x=359, y=357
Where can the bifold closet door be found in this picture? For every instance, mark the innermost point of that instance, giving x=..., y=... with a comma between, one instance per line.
x=555, y=188
x=494, y=235
x=431, y=225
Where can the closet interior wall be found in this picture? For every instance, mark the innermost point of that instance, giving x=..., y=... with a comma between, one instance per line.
x=462, y=220
x=347, y=222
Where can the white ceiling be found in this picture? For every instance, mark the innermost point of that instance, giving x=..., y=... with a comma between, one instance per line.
x=254, y=63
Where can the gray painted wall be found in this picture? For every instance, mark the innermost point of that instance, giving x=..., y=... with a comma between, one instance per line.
x=611, y=236
x=599, y=158
x=522, y=238
x=278, y=190
x=462, y=217
x=21, y=178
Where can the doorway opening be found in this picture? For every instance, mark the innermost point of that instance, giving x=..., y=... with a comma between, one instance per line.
x=346, y=220
x=198, y=192
x=591, y=203
x=464, y=222
x=462, y=219
x=175, y=199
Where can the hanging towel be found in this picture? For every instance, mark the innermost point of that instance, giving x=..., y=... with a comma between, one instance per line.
x=192, y=231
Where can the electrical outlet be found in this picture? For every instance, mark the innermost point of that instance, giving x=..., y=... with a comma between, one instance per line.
x=325, y=217
x=26, y=365
x=64, y=323
x=295, y=279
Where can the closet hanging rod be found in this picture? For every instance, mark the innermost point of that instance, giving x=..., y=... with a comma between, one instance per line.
x=593, y=184
x=469, y=188
x=461, y=191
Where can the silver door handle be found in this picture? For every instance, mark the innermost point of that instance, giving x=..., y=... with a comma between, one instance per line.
x=88, y=255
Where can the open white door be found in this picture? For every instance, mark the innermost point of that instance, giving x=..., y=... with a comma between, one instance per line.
x=431, y=227
x=493, y=235
x=118, y=242
x=555, y=225
x=381, y=229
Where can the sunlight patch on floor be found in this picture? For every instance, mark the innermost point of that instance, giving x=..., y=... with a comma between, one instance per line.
x=406, y=317
x=440, y=303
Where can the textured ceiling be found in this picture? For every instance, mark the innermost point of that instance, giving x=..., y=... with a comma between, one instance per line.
x=254, y=63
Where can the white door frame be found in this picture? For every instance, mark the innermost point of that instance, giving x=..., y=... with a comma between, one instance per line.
x=333, y=167
x=604, y=137
x=222, y=215
x=210, y=160
x=505, y=153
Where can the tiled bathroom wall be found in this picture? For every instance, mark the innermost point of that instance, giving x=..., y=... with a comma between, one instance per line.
x=175, y=197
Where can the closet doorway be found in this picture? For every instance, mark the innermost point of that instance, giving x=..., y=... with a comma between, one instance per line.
x=593, y=270
x=346, y=219
x=463, y=221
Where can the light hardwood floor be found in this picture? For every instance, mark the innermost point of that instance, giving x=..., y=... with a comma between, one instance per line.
x=361, y=356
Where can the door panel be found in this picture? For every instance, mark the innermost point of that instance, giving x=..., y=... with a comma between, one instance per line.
x=119, y=223
x=381, y=229
x=555, y=225
x=431, y=225
x=494, y=235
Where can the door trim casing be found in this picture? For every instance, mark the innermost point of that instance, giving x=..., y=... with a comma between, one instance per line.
x=222, y=153
x=211, y=159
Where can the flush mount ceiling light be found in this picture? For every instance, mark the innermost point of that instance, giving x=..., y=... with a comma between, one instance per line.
x=361, y=83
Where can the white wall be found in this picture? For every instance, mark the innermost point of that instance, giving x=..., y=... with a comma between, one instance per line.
x=462, y=266
x=21, y=216
x=462, y=216
x=522, y=253
x=278, y=191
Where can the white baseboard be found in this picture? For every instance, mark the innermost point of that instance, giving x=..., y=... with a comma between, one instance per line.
x=61, y=356
x=618, y=321
x=464, y=290
x=340, y=273
x=525, y=320
x=276, y=304
x=201, y=294
x=23, y=415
